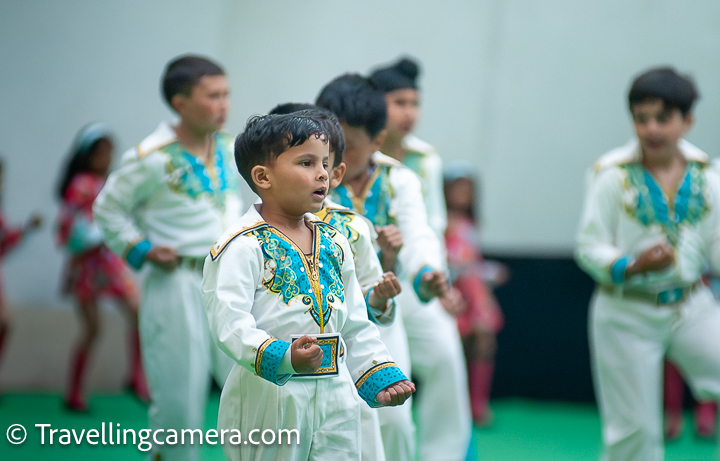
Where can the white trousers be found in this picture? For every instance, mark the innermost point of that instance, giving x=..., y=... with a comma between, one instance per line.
x=438, y=361
x=396, y=423
x=178, y=356
x=629, y=340
x=326, y=412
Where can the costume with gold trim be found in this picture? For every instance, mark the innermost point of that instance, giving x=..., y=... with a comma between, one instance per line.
x=259, y=285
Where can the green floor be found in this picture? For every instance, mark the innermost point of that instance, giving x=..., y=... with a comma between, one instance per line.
x=523, y=430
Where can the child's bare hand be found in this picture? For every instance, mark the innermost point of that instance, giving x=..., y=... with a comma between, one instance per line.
x=655, y=258
x=388, y=288
x=164, y=257
x=306, y=356
x=434, y=284
x=396, y=394
x=390, y=242
x=453, y=302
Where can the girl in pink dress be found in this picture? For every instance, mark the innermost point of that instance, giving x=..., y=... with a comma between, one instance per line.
x=10, y=237
x=482, y=318
x=92, y=270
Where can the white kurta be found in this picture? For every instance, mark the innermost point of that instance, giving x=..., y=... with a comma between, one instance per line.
x=637, y=321
x=162, y=195
x=394, y=195
x=444, y=418
x=260, y=290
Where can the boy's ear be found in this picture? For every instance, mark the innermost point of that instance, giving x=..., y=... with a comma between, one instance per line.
x=689, y=121
x=177, y=102
x=337, y=174
x=379, y=139
x=260, y=178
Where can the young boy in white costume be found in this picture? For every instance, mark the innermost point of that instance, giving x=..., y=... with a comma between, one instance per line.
x=444, y=420
x=169, y=201
x=283, y=301
x=389, y=195
x=379, y=288
x=650, y=226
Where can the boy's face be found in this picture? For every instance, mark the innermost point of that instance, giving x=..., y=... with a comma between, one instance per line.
x=658, y=128
x=206, y=108
x=403, y=111
x=297, y=181
x=359, y=148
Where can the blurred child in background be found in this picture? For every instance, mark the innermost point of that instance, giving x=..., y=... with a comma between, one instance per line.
x=482, y=319
x=10, y=237
x=92, y=269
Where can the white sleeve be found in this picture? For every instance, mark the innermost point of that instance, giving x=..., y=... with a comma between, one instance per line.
x=127, y=187
x=228, y=290
x=368, y=360
x=435, y=195
x=421, y=247
x=596, y=252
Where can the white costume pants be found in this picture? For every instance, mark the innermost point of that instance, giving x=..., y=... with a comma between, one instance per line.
x=629, y=340
x=443, y=403
x=325, y=411
x=178, y=355
x=396, y=423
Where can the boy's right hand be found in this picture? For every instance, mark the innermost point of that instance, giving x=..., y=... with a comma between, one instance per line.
x=163, y=257
x=655, y=258
x=390, y=242
x=396, y=394
x=305, y=355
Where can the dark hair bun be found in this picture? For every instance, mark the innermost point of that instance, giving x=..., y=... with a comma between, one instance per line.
x=408, y=68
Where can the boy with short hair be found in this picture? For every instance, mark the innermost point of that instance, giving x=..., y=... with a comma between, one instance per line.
x=389, y=195
x=649, y=228
x=283, y=300
x=170, y=199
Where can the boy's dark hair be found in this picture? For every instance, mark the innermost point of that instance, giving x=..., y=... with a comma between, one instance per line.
x=267, y=136
x=675, y=90
x=356, y=101
x=400, y=75
x=331, y=125
x=183, y=73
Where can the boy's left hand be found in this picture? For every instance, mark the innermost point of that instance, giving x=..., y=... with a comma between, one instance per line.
x=434, y=284
x=396, y=394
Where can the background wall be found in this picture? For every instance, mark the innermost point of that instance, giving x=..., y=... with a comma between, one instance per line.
x=530, y=92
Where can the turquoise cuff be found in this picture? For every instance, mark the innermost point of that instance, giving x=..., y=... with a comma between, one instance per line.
x=136, y=255
x=617, y=272
x=268, y=358
x=418, y=280
x=376, y=379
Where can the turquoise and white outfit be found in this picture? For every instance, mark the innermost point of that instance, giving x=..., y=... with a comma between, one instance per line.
x=162, y=195
x=393, y=196
x=260, y=292
x=444, y=419
x=361, y=235
x=637, y=321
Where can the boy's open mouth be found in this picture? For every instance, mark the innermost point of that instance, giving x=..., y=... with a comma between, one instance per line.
x=320, y=193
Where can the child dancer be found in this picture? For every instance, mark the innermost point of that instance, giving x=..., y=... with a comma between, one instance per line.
x=648, y=231
x=389, y=195
x=435, y=346
x=172, y=197
x=283, y=301
x=10, y=237
x=92, y=269
x=482, y=319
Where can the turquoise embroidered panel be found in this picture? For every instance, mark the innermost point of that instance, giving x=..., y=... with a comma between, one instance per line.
x=652, y=205
x=341, y=221
x=268, y=358
x=376, y=203
x=316, y=283
x=190, y=176
x=376, y=379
